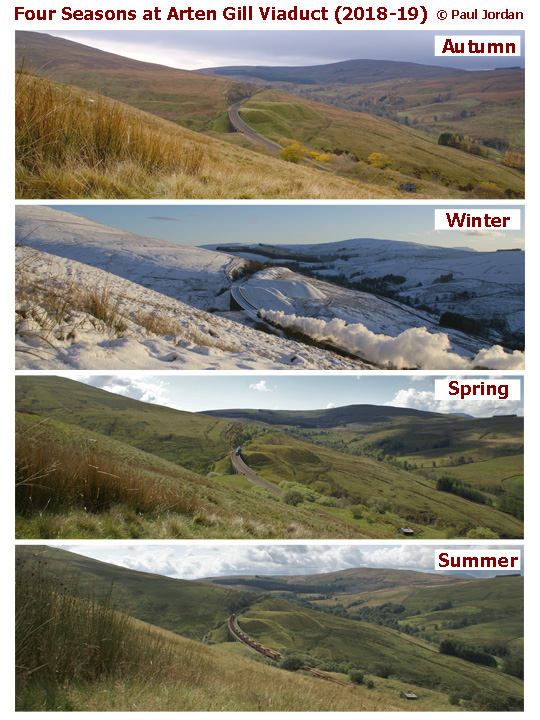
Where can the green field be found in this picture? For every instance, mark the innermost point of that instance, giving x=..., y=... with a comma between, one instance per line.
x=151, y=471
x=145, y=652
x=282, y=117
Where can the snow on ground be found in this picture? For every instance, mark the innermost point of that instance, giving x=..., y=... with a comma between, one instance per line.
x=413, y=348
x=483, y=284
x=57, y=327
x=190, y=274
x=323, y=302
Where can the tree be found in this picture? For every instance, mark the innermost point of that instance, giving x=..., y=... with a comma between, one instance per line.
x=356, y=676
x=380, y=160
x=292, y=497
x=291, y=663
x=292, y=153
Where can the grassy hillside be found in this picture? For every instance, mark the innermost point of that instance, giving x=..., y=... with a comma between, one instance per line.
x=76, y=144
x=277, y=624
x=338, y=583
x=278, y=115
x=139, y=466
x=115, y=467
x=78, y=654
x=188, y=98
x=390, y=496
x=79, y=647
x=489, y=105
x=189, y=439
x=338, y=73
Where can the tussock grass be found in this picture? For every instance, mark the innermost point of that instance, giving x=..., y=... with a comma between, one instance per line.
x=62, y=639
x=60, y=477
x=72, y=144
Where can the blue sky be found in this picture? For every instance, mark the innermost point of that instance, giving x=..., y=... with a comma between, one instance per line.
x=192, y=50
x=191, y=561
x=279, y=391
x=298, y=224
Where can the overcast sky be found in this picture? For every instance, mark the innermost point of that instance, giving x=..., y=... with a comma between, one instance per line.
x=195, y=49
x=191, y=561
x=292, y=224
x=293, y=392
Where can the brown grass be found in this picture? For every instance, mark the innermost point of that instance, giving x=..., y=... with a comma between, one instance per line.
x=71, y=144
x=59, y=477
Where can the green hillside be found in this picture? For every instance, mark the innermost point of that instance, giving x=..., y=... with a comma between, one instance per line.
x=390, y=495
x=279, y=624
x=360, y=479
x=278, y=115
x=326, y=417
x=74, y=600
x=191, y=440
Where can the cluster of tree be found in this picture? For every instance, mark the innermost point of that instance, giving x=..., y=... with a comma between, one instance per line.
x=462, y=142
x=295, y=493
x=449, y=484
x=455, y=648
x=462, y=322
x=511, y=505
x=514, y=159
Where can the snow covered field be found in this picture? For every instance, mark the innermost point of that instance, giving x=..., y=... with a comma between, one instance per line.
x=482, y=284
x=94, y=297
x=190, y=274
x=57, y=327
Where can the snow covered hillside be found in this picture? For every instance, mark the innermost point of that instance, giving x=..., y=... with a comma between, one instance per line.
x=190, y=274
x=72, y=315
x=480, y=285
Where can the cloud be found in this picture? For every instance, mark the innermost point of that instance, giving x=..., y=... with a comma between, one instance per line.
x=330, y=405
x=260, y=386
x=475, y=406
x=191, y=563
x=149, y=390
x=168, y=218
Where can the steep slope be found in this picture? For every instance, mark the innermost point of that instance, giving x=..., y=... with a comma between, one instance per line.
x=73, y=315
x=188, y=98
x=390, y=496
x=187, y=607
x=113, y=150
x=192, y=275
x=277, y=114
x=482, y=285
x=278, y=623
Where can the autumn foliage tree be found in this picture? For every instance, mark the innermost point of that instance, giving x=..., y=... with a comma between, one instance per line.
x=514, y=159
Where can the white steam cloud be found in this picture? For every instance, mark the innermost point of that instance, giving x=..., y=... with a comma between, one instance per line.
x=413, y=348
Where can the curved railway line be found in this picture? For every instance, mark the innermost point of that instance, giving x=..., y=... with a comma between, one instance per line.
x=236, y=632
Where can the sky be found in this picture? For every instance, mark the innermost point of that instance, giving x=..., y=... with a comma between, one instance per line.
x=197, y=225
x=195, y=393
x=192, y=561
x=192, y=50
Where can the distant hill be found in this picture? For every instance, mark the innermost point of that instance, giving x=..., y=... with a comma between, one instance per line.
x=325, y=418
x=345, y=72
x=351, y=580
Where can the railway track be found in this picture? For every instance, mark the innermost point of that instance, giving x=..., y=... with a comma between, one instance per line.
x=236, y=631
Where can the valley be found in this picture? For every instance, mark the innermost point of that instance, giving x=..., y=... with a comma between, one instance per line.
x=119, y=467
x=97, y=297
x=372, y=133
x=171, y=635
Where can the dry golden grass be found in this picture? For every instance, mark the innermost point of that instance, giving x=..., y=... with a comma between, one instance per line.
x=71, y=144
